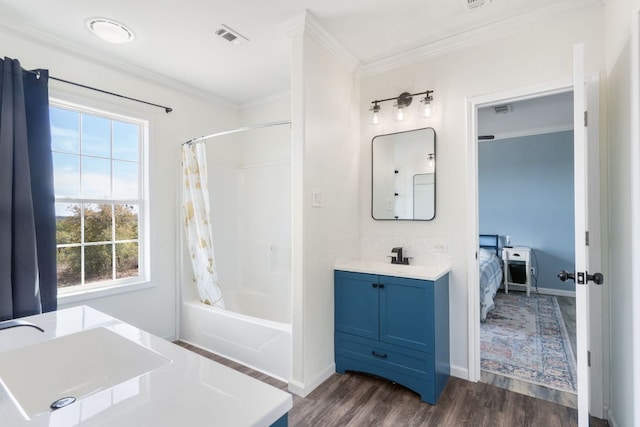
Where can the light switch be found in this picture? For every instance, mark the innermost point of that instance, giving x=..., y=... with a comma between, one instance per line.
x=316, y=198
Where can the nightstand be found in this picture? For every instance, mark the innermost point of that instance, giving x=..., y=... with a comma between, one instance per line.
x=517, y=255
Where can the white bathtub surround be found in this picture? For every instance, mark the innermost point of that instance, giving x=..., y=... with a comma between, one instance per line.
x=195, y=211
x=249, y=177
x=172, y=386
x=261, y=344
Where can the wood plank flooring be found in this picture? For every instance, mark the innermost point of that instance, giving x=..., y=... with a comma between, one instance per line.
x=357, y=399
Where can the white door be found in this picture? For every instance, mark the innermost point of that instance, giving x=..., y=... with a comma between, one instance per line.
x=584, y=278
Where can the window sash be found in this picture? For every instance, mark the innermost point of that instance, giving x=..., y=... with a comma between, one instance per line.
x=140, y=201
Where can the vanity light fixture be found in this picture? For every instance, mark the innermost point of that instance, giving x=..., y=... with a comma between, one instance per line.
x=425, y=109
x=110, y=31
x=375, y=118
x=402, y=102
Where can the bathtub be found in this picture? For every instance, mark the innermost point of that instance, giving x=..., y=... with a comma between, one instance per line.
x=262, y=344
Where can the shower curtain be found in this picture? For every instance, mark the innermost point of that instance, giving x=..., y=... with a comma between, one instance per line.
x=195, y=209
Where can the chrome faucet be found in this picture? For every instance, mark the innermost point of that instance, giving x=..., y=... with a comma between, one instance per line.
x=7, y=324
x=399, y=259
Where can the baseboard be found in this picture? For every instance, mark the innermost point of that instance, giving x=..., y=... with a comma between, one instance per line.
x=556, y=292
x=302, y=390
x=611, y=419
x=459, y=372
x=546, y=291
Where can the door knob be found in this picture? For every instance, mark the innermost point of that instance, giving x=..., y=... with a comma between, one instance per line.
x=563, y=275
x=596, y=278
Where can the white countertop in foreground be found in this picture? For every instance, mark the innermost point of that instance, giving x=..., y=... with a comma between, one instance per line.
x=188, y=391
x=423, y=272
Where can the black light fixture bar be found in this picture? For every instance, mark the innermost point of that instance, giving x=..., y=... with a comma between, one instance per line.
x=427, y=93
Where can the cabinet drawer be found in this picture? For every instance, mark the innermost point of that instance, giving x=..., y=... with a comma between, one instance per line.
x=408, y=362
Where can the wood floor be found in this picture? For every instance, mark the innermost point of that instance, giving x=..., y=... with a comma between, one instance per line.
x=357, y=399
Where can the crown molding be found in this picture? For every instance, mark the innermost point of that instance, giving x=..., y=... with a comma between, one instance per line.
x=63, y=46
x=483, y=34
x=309, y=24
x=285, y=94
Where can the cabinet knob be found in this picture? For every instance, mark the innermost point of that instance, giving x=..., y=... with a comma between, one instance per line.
x=379, y=355
x=381, y=285
x=374, y=285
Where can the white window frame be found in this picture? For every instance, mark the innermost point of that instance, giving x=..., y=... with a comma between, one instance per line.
x=77, y=293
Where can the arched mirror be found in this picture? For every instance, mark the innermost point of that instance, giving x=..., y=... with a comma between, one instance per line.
x=403, y=175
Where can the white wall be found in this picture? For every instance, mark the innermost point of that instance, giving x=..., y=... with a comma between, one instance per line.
x=539, y=54
x=325, y=157
x=152, y=309
x=623, y=190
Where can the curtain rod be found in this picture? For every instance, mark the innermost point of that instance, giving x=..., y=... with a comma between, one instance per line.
x=166, y=109
x=242, y=129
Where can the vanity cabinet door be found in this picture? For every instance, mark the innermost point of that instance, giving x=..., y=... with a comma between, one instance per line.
x=356, y=304
x=406, y=313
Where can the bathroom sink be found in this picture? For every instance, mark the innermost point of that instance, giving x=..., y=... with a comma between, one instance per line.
x=399, y=270
x=72, y=366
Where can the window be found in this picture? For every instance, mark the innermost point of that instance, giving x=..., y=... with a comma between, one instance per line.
x=98, y=171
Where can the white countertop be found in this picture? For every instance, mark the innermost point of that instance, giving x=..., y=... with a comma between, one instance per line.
x=424, y=272
x=188, y=391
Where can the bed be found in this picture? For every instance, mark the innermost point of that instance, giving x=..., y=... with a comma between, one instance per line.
x=490, y=272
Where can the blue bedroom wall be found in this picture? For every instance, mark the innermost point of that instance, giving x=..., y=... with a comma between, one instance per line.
x=526, y=191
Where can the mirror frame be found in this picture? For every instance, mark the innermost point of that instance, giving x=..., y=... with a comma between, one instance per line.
x=434, y=175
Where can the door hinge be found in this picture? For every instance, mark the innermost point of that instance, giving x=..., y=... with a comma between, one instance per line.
x=588, y=358
x=586, y=238
x=586, y=118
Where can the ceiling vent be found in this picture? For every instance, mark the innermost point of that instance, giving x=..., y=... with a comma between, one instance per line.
x=231, y=35
x=502, y=109
x=475, y=3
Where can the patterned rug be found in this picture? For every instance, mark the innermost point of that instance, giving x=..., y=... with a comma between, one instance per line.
x=526, y=339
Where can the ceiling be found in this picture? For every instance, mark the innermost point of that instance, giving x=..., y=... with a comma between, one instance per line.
x=176, y=43
x=532, y=116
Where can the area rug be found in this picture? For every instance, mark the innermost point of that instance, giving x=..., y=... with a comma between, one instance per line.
x=525, y=338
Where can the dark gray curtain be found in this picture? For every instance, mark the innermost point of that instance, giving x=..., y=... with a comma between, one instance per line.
x=28, y=280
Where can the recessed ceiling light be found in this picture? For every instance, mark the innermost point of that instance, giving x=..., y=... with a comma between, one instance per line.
x=110, y=31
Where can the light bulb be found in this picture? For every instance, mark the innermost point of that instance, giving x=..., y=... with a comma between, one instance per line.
x=400, y=113
x=425, y=109
x=375, y=118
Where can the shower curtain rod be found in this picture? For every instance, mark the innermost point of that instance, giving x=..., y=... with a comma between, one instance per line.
x=242, y=129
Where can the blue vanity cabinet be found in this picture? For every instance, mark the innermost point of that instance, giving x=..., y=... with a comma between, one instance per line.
x=394, y=327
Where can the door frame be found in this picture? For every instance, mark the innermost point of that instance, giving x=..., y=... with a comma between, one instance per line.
x=635, y=197
x=497, y=98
